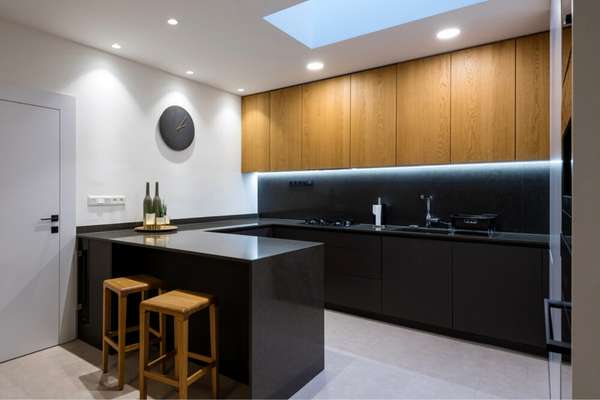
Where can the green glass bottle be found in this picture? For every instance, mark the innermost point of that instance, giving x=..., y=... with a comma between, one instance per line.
x=156, y=202
x=148, y=205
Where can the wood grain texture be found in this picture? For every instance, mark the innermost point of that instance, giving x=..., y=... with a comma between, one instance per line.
x=567, y=44
x=326, y=124
x=483, y=103
x=286, y=129
x=567, y=74
x=533, y=97
x=373, y=118
x=423, y=130
x=255, y=133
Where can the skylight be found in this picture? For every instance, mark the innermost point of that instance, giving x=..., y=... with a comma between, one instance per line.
x=317, y=23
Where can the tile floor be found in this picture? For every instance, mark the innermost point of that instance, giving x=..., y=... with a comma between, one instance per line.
x=363, y=359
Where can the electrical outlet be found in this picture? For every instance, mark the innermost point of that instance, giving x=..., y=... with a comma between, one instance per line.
x=301, y=183
x=106, y=200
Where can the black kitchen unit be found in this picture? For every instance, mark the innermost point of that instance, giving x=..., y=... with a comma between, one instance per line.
x=484, y=288
x=269, y=291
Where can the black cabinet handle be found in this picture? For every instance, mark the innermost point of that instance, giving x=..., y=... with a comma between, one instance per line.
x=553, y=345
x=52, y=218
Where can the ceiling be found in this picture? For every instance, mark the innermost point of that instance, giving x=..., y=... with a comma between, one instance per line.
x=228, y=45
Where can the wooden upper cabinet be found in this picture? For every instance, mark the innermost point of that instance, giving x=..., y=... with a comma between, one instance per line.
x=567, y=44
x=255, y=133
x=483, y=103
x=326, y=124
x=373, y=118
x=533, y=97
x=423, y=133
x=286, y=129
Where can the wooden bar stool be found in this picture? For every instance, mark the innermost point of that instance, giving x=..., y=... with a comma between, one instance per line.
x=181, y=305
x=123, y=287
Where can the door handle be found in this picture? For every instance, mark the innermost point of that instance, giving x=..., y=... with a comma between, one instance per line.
x=52, y=218
x=553, y=345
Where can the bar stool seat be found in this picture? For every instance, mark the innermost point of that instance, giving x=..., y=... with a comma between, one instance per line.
x=122, y=287
x=181, y=305
x=133, y=284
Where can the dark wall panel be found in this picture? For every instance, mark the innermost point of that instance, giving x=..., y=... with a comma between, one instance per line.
x=518, y=192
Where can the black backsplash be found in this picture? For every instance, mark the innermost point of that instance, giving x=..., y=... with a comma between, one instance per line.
x=517, y=192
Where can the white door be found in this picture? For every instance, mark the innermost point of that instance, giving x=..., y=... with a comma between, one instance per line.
x=29, y=256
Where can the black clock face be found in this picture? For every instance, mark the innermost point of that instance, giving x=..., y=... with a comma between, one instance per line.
x=176, y=128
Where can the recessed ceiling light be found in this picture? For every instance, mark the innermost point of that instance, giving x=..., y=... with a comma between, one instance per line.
x=116, y=46
x=241, y=90
x=172, y=21
x=314, y=66
x=189, y=72
x=449, y=33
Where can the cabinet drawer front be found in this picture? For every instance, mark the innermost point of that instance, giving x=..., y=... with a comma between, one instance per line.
x=417, y=280
x=351, y=292
x=351, y=254
x=498, y=292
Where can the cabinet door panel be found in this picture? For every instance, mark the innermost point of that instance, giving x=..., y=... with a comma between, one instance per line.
x=498, y=292
x=352, y=292
x=417, y=280
x=286, y=129
x=255, y=133
x=483, y=103
x=423, y=134
x=348, y=254
x=326, y=124
x=533, y=97
x=373, y=118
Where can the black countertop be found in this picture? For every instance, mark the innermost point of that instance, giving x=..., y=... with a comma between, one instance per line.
x=211, y=238
x=197, y=239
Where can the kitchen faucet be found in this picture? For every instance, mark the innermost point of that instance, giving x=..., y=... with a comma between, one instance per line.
x=429, y=218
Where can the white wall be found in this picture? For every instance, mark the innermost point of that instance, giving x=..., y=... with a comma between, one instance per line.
x=119, y=148
x=586, y=199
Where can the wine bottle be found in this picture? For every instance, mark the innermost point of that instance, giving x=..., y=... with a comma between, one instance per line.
x=156, y=202
x=148, y=205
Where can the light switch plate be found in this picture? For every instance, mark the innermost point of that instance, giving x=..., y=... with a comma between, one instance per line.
x=106, y=200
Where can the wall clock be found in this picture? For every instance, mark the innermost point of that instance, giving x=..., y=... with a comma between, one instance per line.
x=176, y=128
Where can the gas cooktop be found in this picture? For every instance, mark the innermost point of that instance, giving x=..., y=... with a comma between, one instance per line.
x=328, y=221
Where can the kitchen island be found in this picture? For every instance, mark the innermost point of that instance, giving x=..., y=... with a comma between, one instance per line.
x=270, y=296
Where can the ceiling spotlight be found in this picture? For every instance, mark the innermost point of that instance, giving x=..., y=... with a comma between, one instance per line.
x=241, y=90
x=116, y=46
x=189, y=72
x=449, y=33
x=172, y=21
x=314, y=66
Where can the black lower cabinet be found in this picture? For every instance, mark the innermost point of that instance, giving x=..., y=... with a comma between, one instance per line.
x=354, y=293
x=498, y=292
x=492, y=293
x=417, y=280
x=352, y=266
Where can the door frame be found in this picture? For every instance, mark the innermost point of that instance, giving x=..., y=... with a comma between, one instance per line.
x=65, y=105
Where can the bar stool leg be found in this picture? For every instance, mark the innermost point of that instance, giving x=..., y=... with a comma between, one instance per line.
x=176, y=345
x=161, y=330
x=214, y=373
x=121, y=334
x=144, y=350
x=105, y=327
x=182, y=356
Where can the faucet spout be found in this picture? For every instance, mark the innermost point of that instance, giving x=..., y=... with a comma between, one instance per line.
x=429, y=219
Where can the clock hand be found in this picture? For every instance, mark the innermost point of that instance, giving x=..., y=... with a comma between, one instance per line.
x=181, y=125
